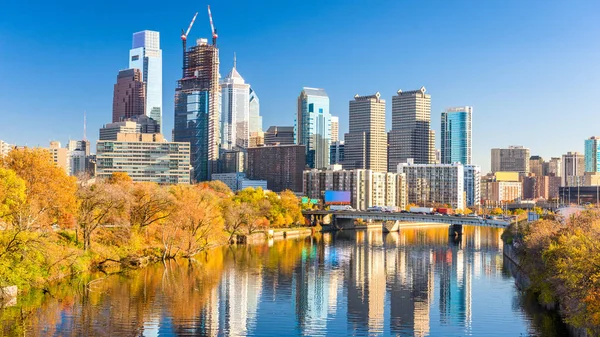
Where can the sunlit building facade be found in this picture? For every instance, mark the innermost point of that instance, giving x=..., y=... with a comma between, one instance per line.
x=456, y=136
x=313, y=126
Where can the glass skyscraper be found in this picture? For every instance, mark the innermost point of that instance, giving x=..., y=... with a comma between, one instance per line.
x=313, y=126
x=456, y=139
x=146, y=55
x=255, y=117
x=235, y=111
x=592, y=154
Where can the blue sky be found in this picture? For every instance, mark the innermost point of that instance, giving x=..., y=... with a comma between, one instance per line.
x=530, y=69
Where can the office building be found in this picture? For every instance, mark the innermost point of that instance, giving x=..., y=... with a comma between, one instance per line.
x=256, y=124
x=281, y=166
x=456, y=136
x=136, y=124
x=367, y=188
x=144, y=157
x=536, y=166
x=431, y=185
x=335, y=129
x=129, y=97
x=197, y=108
x=472, y=185
x=235, y=111
x=4, y=148
x=60, y=156
x=592, y=154
x=572, y=169
x=146, y=55
x=238, y=181
x=337, y=153
x=257, y=139
x=365, y=145
x=282, y=135
x=544, y=187
x=501, y=187
x=79, y=152
x=553, y=167
x=513, y=159
x=411, y=135
x=313, y=126
x=232, y=161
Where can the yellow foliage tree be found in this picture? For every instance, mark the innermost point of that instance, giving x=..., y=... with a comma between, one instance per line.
x=12, y=193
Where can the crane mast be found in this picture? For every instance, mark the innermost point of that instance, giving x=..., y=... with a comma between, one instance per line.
x=184, y=36
x=212, y=27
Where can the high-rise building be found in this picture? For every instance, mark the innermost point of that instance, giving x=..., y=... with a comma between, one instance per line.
x=411, y=135
x=544, y=187
x=197, y=108
x=592, y=154
x=337, y=153
x=501, y=187
x=4, y=148
x=282, y=135
x=255, y=117
x=79, y=152
x=365, y=145
x=367, y=188
x=144, y=157
x=573, y=168
x=472, y=185
x=281, y=166
x=146, y=55
x=231, y=161
x=513, y=159
x=313, y=126
x=434, y=184
x=456, y=136
x=235, y=111
x=129, y=97
x=553, y=167
x=335, y=129
x=536, y=166
x=60, y=156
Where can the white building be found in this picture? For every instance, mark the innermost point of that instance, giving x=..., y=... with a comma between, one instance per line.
x=368, y=188
x=255, y=123
x=235, y=111
x=237, y=181
x=434, y=184
x=146, y=55
x=472, y=185
x=4, y=148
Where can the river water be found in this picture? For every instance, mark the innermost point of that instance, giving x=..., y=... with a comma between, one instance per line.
x=418, y=282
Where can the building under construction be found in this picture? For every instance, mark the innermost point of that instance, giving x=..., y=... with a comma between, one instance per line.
x=197, y=112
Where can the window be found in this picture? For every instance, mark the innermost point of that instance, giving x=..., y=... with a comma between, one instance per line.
x=135, y=57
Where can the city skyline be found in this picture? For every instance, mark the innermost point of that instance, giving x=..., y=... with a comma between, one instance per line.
x=456, y=81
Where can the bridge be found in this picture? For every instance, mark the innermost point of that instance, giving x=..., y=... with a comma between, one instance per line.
x=335, y=220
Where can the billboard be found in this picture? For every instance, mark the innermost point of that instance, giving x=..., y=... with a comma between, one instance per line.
x=337, y=197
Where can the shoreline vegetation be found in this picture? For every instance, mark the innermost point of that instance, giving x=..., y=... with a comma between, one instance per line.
x=560, y=258
x=55, y=227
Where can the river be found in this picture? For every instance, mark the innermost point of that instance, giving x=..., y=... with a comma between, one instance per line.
x=418, y=282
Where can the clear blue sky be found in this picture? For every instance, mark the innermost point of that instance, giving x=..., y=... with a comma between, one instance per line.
x=530, y=69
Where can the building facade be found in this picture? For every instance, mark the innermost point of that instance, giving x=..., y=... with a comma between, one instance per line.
x=282, y=135
x=536, y=166
x=435, y=184
x=146, y=55
x=281, y=166
x=197, y=108
x=79, y=153
x=411, y=135
x=337, y=153
x=256, y=124
x=129, y=96
x=456, y=136
x=60, y=156
x=365, y=144
x=313, y=126
x=513, y=159
x=367, y=188
x=335, y=129
x=235, y=111
x=472, y=185
x=553, y=167
x=144, y=157
x=4, y=148
x=501, y=187
x=573, y=168
x=232, y=161
x=544, y=187
x=592, y=154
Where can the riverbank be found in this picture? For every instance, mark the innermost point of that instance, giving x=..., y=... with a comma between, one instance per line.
x=559, y=262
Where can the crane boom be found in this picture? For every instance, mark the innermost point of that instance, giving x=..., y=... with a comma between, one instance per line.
x=191, y=24
x=212, y=27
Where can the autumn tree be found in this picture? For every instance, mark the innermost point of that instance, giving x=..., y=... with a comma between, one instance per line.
x=286, y=209
x=496, y=211
x=12, y=193
x=98, y=204
x=50, y=192
x=120, y=178
x=150, y=203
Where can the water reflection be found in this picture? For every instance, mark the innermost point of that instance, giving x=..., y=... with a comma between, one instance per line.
x=417, y=282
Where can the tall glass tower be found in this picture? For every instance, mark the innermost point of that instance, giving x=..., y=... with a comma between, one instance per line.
x=255, y=117
x=146, y=55
x=313, y=126
x=592, y=154
x=456, y=136
x=235, y=111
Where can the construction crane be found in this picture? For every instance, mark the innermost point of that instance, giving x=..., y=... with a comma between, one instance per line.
x=212, y=27
x=184, y=36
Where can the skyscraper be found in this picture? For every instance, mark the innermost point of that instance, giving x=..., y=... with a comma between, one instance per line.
x=365, y=145
x=197, y=108
x=279, y=135
x=592, y=154
x=146, y=55
x=129, y=95
x=313, y=126
x=411, y=135
x=513, y=159
x=335, y=129
x=573, y=168
x=536, y=166
x=456, y=136
x=255, y=117
x=235, y=111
